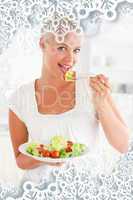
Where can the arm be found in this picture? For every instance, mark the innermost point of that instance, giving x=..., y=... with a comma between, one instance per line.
x=19, y=135
x=115, y=130
x=115, y=109
x=112, y=123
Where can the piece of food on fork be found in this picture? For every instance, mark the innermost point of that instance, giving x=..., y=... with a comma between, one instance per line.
x=72, y=75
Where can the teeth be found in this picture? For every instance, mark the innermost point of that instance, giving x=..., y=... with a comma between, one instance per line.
x=65, y=66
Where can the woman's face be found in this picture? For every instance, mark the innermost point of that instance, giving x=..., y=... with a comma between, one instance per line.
x=60, y=57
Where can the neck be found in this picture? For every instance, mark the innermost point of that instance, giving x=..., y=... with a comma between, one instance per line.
x=51, y=80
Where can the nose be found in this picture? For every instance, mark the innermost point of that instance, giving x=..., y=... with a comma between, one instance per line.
x=70, y=58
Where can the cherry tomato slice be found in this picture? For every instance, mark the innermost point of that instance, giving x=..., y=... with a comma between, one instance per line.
x=46, y=153
x=55, y=154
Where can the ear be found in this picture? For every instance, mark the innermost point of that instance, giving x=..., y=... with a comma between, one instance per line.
x=41, y=42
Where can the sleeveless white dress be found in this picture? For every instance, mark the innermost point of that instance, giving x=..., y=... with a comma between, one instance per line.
x=78, y=124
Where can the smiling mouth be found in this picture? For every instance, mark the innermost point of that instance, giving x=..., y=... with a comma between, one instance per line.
x=64, y=68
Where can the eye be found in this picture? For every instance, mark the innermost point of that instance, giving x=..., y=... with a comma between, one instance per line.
x=77, y=50
x=61, y=48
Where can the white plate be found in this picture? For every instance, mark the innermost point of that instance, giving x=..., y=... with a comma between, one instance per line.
x=23, y=147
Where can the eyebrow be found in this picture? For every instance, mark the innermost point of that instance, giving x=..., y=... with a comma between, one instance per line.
x=63, y=44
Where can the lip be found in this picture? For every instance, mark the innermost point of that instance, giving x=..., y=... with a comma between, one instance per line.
x=64, y=68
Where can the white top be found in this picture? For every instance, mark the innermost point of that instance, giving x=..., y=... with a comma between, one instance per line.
x=78, y=124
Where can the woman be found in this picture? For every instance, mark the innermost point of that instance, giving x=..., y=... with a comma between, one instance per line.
x=50, y=105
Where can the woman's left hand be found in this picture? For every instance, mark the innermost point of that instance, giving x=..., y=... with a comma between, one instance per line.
x=100, y=90
x=100, y=85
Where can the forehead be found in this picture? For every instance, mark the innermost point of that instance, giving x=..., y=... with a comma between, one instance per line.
x=71, y=39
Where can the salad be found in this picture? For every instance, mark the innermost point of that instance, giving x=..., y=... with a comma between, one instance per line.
x=59, y=147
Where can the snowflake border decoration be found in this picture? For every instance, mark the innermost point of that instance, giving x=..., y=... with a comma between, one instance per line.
x=26, y=14
x=16, y=14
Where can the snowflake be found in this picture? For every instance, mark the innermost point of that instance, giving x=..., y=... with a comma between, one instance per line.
x=68, y=15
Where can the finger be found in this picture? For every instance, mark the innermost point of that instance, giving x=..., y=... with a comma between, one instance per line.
x=102, y=76
x=102, y=85
x=99, y=88
x=98, y=82
x=59, y=164
x=104, y=80
x=95, y=88
x=98, y=79
x=53, y=164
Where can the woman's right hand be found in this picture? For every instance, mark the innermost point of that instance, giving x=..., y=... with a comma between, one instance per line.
x=58, y=164
x=26, y=162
